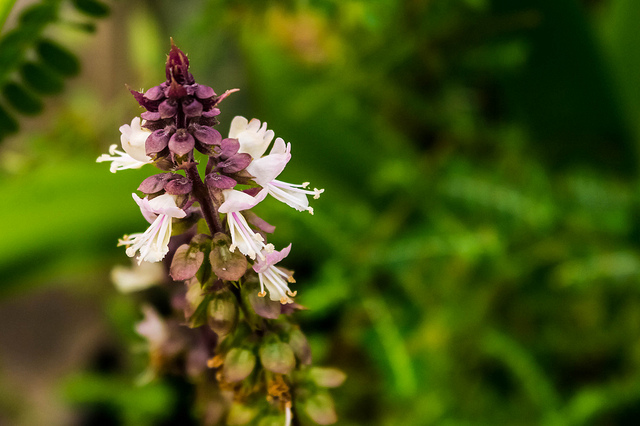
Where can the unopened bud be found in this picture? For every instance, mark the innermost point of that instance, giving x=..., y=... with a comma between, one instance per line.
x=277, y=357
x=238, y=364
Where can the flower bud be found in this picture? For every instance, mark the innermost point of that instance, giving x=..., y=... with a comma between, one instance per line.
x=181, y=143
x=168, y=108
x=179, y=186
x=155, y=183
x=238, y=364
x=277, y=357
x=192, y=108
x=204, y=92
x=218, y=181
x=222, y=313
x=157, y=141
x=235, y=164
x=321, y=409
x=205, y=134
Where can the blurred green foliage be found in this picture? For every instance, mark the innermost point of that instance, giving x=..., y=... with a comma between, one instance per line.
x=474, y=258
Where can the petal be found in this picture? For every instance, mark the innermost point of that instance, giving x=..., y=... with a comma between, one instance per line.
x=238, y=124
x=267, y=168
x=235, y=201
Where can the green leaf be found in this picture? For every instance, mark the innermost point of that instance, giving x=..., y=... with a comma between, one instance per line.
x=41, y=79
x=58, y=58
x=8, y=124
x=92, y=8
x=21, y=99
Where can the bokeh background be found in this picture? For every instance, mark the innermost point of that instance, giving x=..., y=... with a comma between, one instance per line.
x=474, y=260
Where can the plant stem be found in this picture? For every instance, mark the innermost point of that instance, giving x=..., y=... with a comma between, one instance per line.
x=201, y=193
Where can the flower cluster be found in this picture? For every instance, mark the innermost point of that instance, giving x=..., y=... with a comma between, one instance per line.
x=229, y=269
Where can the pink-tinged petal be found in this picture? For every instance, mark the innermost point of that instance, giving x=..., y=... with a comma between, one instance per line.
x=267, y=168
x=166, y=204
x=152, y=327
x=145, y=208
x=270, y=259
x=235, y=201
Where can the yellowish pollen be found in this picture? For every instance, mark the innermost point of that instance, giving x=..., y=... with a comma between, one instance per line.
x=262, y=294
x=215, y=362
x=310, y=210
x=291, y=279
x=292, y=293
x=305, y=184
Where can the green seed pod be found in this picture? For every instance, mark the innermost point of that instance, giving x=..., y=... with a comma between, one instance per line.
x=300, y=345
x=240, y=414
x=238, y=364
x=227, y=265
x=321, y=409
x=222, y=313
x=277, y=357
x=327, y=377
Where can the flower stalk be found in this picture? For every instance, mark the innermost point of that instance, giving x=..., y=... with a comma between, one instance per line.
x=240, y=345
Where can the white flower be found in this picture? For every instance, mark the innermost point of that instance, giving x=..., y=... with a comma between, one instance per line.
x=273, y=278
x=242, y=237
x=266, y=169
x=137, y=277
x=133, y=140
x=153, y=244
x=254, y=139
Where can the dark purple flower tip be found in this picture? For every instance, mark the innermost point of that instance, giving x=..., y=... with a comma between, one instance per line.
x=168, y=108
x=178, y=186
x=175, y=90
x=178, y=66
x=144, y=102
x=235, y=164
x=150, y=116
x=204, y=92
x=205, y=135
x=212, y=113
x=158, y=140
x=181, y=143
x=155, y=183
x=154, y=93
x=192, y=108
x=229, y=147
x=217, y=181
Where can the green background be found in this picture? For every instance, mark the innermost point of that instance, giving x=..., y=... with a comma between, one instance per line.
x=474, y=259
